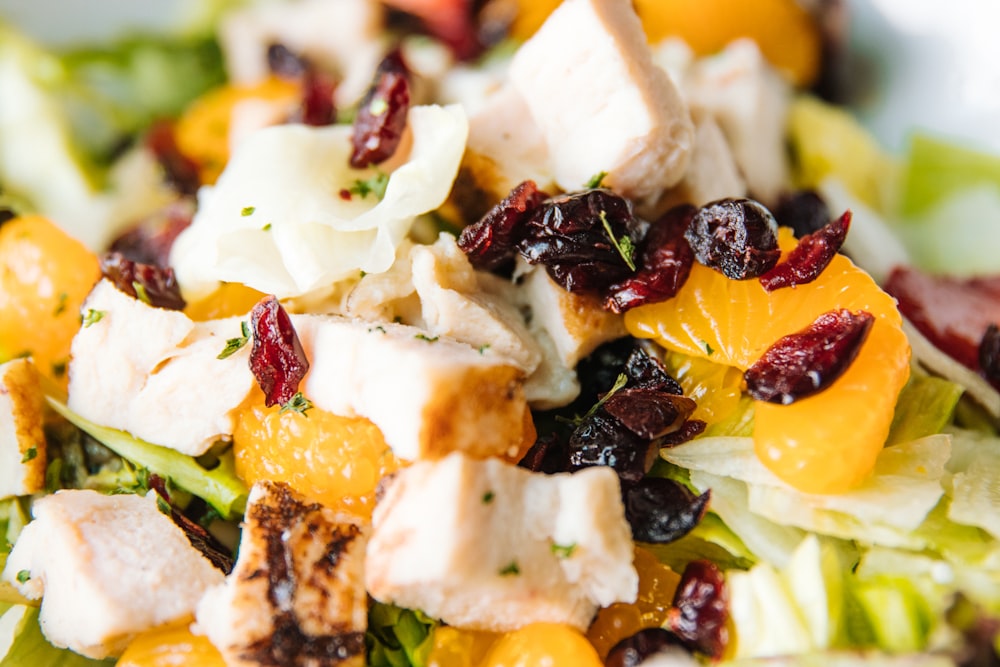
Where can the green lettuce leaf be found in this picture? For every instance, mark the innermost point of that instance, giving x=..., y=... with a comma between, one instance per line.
x=398, y=637
x=22, y=644
x=219, y=487
x=936, y=169
x=924, y=407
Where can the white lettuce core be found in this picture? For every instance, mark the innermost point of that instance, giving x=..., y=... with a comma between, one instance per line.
x=276, y=220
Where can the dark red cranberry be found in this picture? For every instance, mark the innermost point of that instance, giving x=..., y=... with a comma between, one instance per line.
x=952, y=313
x=150, y=240
x=689, y=430
x=181, y=171
x=452, y=22
x=810, y=257
x=492, y=241
x=381, y=118
x=645, y=370
x=202, y=540
x=285, y=64
x=649, y=413
x=585, y=240
x=632, y=651
x=602, y=440
x=277, y=359
x=989, y=353
x=317, y=108
x=155, y=285
x=804, y=211
x=806, y=362
x=736, y=237
x=663, y=266
x=548, y=455
x=662, y=510
x=700, y=609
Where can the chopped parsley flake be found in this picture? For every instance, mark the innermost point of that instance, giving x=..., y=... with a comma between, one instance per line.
x=92, y=317
x=234, y=344
x=563, y=550
x=375, y=185
x=30, y=455
x=709, y=350
x=298, y=403
x=483, y=348
x=510, y=570
x=61, y=306
x=620, y=383
x=248, y=210
x=162, y=505
x=424, y=337
x=379, y=328
x=141, y=293
x=624, y=245
x=266, y=228
x=23, y=576
x=596, y=180
x=488, y=497
x=59, y=368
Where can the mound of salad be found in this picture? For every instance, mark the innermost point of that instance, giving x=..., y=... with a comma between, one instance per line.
x=482, y=334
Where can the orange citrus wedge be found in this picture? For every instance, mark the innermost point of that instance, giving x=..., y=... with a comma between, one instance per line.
x=828, y=442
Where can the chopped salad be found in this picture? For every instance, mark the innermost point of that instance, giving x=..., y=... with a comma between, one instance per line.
x=436, y=333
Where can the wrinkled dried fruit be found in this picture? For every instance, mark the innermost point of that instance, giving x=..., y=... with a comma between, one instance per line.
x=284, y=63
x=808, y=259
x=155, y=285
x=585, y=240
x=649, y=413
x=181, y=171
x=806, y=362
x=317, y=107
x=381, y=117
x=452, y=22
x=150, y=240
x=277, y=359
x=689, y=430
x=663, y=267
x=602, y=440
x=737, y=237
x=662, y=510
x=548, y=455
x=644, y=370
x=493, y=240
x=989, y=353
x=632, y=651
x=804, y=211
x=699, y=614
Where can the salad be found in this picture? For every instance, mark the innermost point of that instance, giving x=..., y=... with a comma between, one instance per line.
x=427, y=332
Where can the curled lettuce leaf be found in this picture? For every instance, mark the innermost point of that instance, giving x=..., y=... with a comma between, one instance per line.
x=22, y=643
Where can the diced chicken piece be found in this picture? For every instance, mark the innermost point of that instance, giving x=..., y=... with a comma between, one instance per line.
x=487, y=545
x=106, y=568
x=750, y=102
x=155, y=373
x=576, y=323
x=22, y=441
x=675, y=57
x=428, y=395
x=344, y=36
x=590, y=83
x=712, y=173
x=296, y=595
x=506, y=146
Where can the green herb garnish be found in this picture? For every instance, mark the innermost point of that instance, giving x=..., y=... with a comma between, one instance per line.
x=298, y=403
x=488, y=497
x=595, y=180
x=141, y=293
x=23, y=576
x=563, y=550
x=234, y=344
x=92, y=317
x=623, y=245
x=375, y=185
x=247, y=210
x=29, y=455
x=510, y=570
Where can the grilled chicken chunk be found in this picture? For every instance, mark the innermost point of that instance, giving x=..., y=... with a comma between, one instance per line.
x=590, y=84
x=296, y=596
x=22, y=440
x=109, y=567
x=490, y=546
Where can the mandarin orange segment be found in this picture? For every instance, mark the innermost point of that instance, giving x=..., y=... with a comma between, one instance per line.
x=45, y=275
x=823, y=444
x=455, y=647
x=786, y=34
x=229, y=300
x=202, y=132
x=337, y=461
x=551, y=644
x=171, y=645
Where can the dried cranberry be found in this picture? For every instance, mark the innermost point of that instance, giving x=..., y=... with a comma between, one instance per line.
x=181, y=171
x=662, y=510
x=548, y=455
x=633, y=651
x=699, y=613
x=804, y=363
x=492, y=241
x=952, y=313
x=810, y=257
x=989, y=353
x=277, y=359
x=688, y=431
x=602, y=440
x=649, y=413
x=804, y=211
x=150, y=240
x=452, y=22
x=644, y=370
x=663, y=267
x=381, y=118
x=317, y=108
x=155, y=285
x=736, y=237
x=284, y=63
x=585, y=240
x=202, y=540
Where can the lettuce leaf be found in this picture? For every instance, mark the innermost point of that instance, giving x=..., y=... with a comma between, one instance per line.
x=398, y=637
x=936, y=169
x=924, y=407
x=22, y=643
x=219, y=487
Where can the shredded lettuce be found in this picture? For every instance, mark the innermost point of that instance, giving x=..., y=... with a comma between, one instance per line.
x=398, y=637
x=925, y=406
x=22, y=643
x=219, y=487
